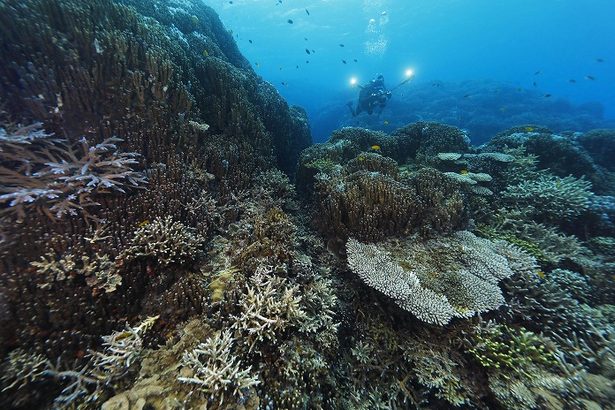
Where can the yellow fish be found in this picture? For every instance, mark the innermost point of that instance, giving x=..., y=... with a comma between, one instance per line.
x=540, y=274
x=464, y=172
x=529, y=129
x=205, y=53
x=143, y=223
x=375, y=147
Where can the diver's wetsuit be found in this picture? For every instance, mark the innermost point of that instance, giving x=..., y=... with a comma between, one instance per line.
x=372, y=95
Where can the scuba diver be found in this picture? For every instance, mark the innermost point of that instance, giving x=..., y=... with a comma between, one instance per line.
x=374, y=95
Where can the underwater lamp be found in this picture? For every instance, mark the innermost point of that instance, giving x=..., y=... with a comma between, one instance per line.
x=354, y=81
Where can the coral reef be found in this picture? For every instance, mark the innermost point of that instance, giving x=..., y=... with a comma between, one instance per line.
x=147, y=175
x=550, y=198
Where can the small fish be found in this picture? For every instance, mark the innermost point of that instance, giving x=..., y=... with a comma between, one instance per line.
x=305, y=38
x=257, y=64
x=464, y=172
x=308, y=13
x=307, y=61
x=534, y=84
x=572, y=81
x=297, y=66
x=284, y=84
x=355, y=60
x=600, y=60
x=386, y=122
x=307, y=51
x=143, y=223
x=547, y=95
x=250, y=41
x=313, y=51
x=280, y=68
x=590, y=77
x=290, y=21
x=540, y=274
x=384, y=13
x=466, y=96
x=341, y=45
x=230, y=2
x=538, y=72
x=344, y=61
x=205, y=53
x=375, y=147
x=529, y=129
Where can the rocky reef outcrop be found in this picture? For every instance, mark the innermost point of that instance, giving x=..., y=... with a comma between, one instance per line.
x=125, y=125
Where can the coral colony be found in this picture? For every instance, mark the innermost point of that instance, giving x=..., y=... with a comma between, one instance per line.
x=170, y=239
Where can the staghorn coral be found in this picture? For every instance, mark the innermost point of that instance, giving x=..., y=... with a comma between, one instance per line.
x=216, y=370
x=21, y=368
x=165, y=241
x=59, y=178
x=441, y=278
x=267, y=308
x=121, y=350
x=508, y=349
x=99, y=272
x=553, y=246
x=436, y=370
x=550, y=198
x=523, y=368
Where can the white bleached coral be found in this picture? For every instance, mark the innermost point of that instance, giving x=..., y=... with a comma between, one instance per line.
x=437, y=280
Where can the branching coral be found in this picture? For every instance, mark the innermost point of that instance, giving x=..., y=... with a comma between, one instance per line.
x=99, y=272
x=22, y=368
x=442, y=278
x=548, y=244
x=436, y=370
x=551, y=197
x=121, y=350
x=268, y=307
x=522, y=366
x=60, y=178
x=216, y=370
x=166, y=241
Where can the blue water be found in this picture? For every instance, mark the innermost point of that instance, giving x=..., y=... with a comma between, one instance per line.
x=534, y=45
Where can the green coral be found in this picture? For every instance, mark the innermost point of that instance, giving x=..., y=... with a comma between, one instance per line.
x=324, y=165
x=511, y=349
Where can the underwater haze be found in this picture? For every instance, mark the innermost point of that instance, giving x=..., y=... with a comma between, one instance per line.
x=546, y=48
